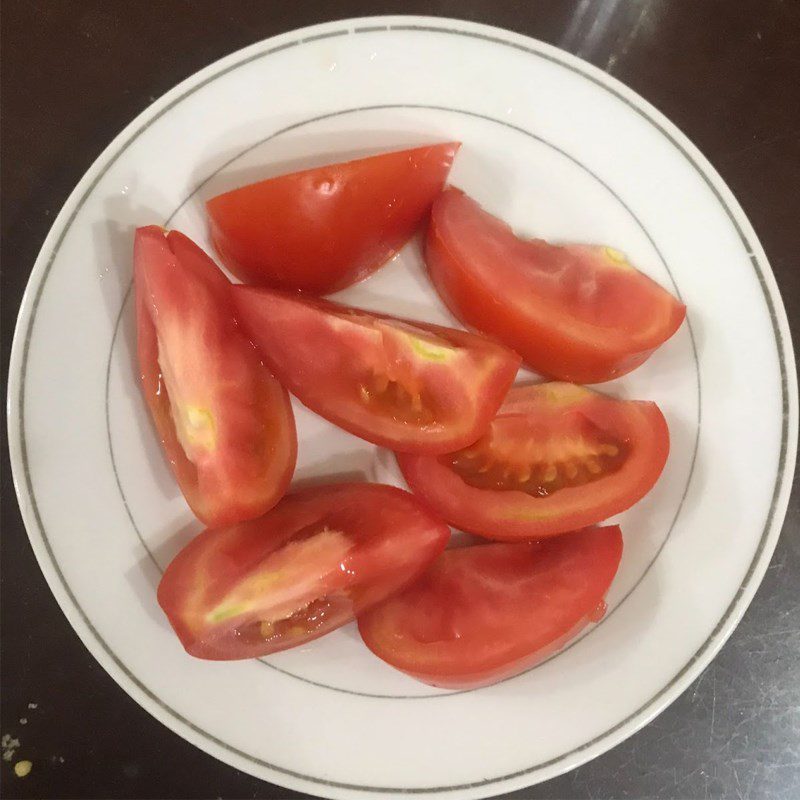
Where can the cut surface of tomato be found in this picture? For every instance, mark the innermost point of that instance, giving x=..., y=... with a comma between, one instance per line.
x=322, y=229
x=317, y=559
x=225, y=423
x=574, y=312
x=555, y=458
x=486, y=612
x=409, y=386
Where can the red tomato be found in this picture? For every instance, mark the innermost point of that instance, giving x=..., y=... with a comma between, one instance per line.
x=577, y=313
x=409, y=386
x=225, y=423
x=483, y=613
x=320, y=557
x=322, y=229
x=555, y=458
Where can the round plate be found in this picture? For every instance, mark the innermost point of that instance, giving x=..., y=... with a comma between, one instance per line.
x=560, y=150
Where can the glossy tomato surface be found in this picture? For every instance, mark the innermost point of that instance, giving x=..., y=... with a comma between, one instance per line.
x=555, y=458
x=406, y=385
x=322, y=229
x=576, y=312
x=483, y=613
x=320, y=557
x=225, y=423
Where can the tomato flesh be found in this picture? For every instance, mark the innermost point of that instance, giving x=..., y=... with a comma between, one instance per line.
x=322, y=229
x=311, y=564
x=573, y=312
x=225, y=423
x=409, y=386
x=486, y=612
x=555, y=458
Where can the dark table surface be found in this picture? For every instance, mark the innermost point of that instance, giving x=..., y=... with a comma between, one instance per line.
x=74, y=73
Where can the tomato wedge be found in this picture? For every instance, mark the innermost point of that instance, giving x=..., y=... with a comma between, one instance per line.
x=225, y=423
x=409, y=386
x=556, y=457
x=320, y=557
x=576, y=312
x=483, y=613
x=322, y=229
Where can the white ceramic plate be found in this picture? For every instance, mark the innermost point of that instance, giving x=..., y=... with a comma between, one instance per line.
x=560, y=150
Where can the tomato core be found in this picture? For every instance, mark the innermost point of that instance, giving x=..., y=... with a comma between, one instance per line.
x=519, y=455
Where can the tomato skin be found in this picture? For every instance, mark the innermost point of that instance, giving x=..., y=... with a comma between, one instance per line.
x=575, y=313
x=323, y=229
x=323, y=352
x=483, y=613
x=353, y=544
x=509, y=514
x=184, y=314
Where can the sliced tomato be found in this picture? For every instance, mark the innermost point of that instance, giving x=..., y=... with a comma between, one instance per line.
x=483, y=613
x=409, y=386
x=556, y=457
x=225, y=423
x=322, y=229
x=575, y=312
x=320, y=557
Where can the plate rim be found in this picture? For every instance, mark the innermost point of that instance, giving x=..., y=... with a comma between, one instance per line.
x=23, y=335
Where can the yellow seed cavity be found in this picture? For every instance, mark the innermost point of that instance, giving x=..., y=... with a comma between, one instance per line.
x=550, y=473
x=267, y=629
x=199, y=427
x=617, y=258
x=593, y=466
x=562, y=394
x=22, y=768
x=257, y=585
x=226, y=612
x=609, y=450
x=430, y=351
